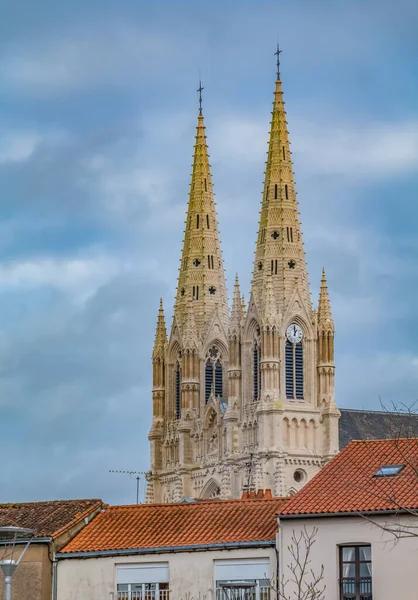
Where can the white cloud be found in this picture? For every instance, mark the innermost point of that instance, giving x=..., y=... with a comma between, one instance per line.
x=18, y=147
x=82, y=275
x=367, y=151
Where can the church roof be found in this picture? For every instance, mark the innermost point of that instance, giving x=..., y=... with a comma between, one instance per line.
x=356, y=481
x=374, y=425
x=164, y=527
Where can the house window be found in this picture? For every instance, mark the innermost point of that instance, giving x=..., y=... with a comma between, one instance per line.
x=355, y=573
x=148, y=581
x=242, y=579
x=294, y=370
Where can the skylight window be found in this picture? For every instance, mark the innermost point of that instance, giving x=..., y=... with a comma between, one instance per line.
x=388, y=470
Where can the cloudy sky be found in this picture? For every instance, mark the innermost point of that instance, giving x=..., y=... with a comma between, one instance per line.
x=97, y=116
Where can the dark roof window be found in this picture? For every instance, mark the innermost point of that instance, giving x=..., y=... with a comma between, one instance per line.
x=388, y=470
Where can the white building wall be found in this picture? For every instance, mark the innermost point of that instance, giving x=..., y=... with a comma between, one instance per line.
x=189, y=573
x=394, y=566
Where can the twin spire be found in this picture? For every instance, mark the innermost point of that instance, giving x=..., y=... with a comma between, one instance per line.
x=279, y=265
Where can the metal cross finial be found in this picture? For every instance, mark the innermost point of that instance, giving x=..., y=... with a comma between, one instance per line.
x=200, y=90
x=277, y=53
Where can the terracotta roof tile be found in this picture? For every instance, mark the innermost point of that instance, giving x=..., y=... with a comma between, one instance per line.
x=48, y=519
x=347, y=482
x=182, y=524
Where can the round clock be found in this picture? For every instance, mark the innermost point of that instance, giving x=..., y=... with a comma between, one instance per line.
x=294, y=333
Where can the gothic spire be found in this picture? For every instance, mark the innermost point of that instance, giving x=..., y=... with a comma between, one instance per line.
x=324, y=307
x=201, y=277
x=160, y=334
x=279, y=248
x=236, y=312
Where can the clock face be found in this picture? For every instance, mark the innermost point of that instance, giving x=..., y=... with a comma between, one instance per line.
x=294, y=333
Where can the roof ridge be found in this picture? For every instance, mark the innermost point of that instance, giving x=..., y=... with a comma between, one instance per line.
x=39, y=502
x=378, y=412
x=198, y=503
x=389, y=440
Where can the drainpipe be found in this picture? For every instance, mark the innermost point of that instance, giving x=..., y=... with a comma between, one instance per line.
x=277, y=550
x=54, y=577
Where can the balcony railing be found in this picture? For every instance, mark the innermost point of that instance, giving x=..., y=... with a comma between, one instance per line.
x=255, y=593
x=138, y=595
x=356, y=589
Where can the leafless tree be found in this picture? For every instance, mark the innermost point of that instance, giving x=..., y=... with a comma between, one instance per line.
x=303, y=583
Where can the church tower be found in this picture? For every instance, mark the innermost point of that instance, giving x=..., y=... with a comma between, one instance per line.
x=243, y=399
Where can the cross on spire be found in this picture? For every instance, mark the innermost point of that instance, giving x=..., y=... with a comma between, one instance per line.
x=200, y=90
x=277, y=53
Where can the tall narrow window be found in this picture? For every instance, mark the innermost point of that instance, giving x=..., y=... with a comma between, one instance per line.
x=207, y=221
x=206, y=185
x=218, y=379
x=195, y=293
x=355, y=573
x=294, y=370
x=275, y=191
x=208, y=379
x=178, y=391
x=211, y=260
x=284, y=153
x=275, y=267
x=197, y=221
x=256, y=373
x=286, y=192
x=213, y=374
x=289, y=369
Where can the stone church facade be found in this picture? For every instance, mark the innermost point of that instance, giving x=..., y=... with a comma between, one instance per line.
x=243, y=398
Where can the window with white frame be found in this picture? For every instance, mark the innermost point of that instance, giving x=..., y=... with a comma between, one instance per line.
x=242, y=579
x=148, y=581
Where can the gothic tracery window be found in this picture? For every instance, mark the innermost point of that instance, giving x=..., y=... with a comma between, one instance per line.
x=178, y=391
x=213, y=374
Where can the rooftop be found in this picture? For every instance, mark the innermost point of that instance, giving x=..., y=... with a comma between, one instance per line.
x=354, y=481
x=357, y=424
x=146, y=526
x=48, y=519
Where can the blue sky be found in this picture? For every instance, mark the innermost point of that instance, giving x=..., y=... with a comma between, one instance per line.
x=97, y=116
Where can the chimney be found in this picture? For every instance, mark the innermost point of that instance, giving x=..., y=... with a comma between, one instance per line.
x=260, y=494
x=268, y=494
x=252, y=494
x=244, y=495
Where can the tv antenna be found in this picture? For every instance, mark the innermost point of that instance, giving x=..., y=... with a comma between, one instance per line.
x=130, y=473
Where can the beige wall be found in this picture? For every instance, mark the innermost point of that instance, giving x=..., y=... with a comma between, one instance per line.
x=189, y=572
x=33, y=577
x=394, y=566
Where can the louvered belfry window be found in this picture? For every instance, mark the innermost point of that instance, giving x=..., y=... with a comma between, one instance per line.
x=294, y=370
x=208, y=379
x=178, y=392
x=256, y=373
x=213, y=374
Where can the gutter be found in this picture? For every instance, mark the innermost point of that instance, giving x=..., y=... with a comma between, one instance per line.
x=40, y=540
x=165, y=549
x=362, y=513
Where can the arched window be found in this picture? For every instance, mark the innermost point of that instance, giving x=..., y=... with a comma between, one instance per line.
x=256, y=372
x=213, y=374
x=294, y=370
x=178, y=391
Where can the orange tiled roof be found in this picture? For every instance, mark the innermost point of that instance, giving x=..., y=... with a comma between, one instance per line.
x=182, y=524
x=48, y=519
x=346, y=483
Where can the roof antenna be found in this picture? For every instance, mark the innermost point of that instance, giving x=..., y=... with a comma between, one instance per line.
x=200, y=90
x=138, y=477
x=277, y=53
